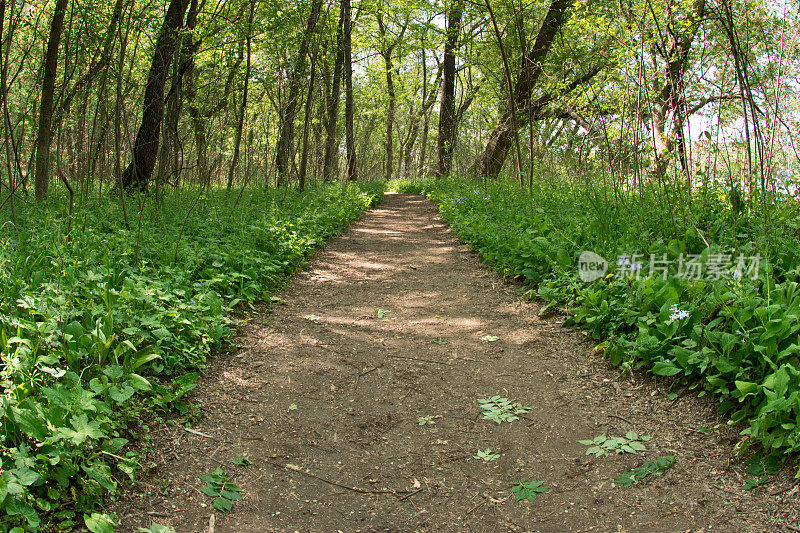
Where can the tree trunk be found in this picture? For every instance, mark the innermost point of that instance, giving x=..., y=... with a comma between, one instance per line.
x=45, y=133
x=494, y=155
x=350, y=140
x=283, y=151
x=243, y=110
x=447, y=110
x=331, y=146
x=145, y=148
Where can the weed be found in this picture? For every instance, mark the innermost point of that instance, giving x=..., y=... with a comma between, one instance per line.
x=528, y=490
x=636, y=475
x=223, y=491
x=499, y=409
x=603, y=445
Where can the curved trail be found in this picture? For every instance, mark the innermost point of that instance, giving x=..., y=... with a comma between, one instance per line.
x=325, y=397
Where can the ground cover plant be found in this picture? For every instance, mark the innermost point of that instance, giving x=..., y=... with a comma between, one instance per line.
x=100, y=320
x=731, y=332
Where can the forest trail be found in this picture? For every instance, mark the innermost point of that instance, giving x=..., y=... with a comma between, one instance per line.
x=356, y=403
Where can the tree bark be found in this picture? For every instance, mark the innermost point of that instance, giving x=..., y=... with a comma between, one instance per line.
x=45, y=133
x=447, y=110
x=240, y=125
x=349, y=107
x=289, y=111
x=331, y=146
x=494, y=155
x=145, y=148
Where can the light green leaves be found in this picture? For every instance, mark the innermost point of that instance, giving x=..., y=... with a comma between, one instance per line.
x=499, y=409
x=426, y=420
x=83, y=429
x=486, y=455
x=604, y=445
x=490, y=338
x=381, y=313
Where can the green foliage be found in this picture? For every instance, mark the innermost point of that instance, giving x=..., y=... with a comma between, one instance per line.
x=101, y=326
x=155, y=527
x=499, y=409
x=425, y=420
x=761, y=467
x=603, y=445
x=486, y=455
x=731, y=336
x=241, y=460
x=381, y=313
x=636, y=475
x=528, y=490
x=223, y=491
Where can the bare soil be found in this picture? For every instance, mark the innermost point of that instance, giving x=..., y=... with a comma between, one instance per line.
x=324, y=397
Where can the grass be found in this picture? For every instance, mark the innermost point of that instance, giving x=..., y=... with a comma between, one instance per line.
x=720, y=332
x=112, y=319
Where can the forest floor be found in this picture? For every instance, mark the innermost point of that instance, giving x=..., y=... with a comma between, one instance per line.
x=324, y=395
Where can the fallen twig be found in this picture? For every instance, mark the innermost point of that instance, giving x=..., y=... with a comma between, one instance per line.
x=419, y=359
x=294, y=468
x=195, y=432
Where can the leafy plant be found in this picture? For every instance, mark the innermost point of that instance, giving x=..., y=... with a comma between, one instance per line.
x=486, y=455
x=490, y=338
x=381, y=313
x=241, y=460
x=426, y=420
x=313, y=318
x=97, y=327
x=500, y=409
x=223, y=491
x=528, y=490
x=603, y=445
x=762, y=467
x=636, y=475
x=439, y=341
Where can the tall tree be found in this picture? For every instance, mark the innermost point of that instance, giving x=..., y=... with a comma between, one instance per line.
x=349, y=104
x=45, y=134
x=331, y=144
x=386, y=51
x=491, y=161
x=447, y=110
x=284, y=149
x=243, y=110
x=145, y=148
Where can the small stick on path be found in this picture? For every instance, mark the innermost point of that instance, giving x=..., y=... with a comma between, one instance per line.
x=299, y=470
x=419, y=359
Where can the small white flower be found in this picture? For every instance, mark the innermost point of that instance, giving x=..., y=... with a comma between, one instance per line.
x=678, y=313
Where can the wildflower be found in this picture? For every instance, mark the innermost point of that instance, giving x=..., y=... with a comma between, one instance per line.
x=677, y=313
x=737, y=275
x=623, y=260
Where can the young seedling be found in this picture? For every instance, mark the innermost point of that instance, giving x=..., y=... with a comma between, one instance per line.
x=528, y=490
x=218, y=487
x=490, y=338
x=381, y=313
x=499, y=409
x=636, y=475
x=241, y=460
x=603, y=445
x=426, y=420
x=486, y=455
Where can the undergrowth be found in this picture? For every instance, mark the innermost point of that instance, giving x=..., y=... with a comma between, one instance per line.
x=731, y=331
x=110, y=320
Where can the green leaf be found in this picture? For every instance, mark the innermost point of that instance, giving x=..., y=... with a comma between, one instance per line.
x=222, y=504
x=100, y=523
x=83, y=430
x=528, y=490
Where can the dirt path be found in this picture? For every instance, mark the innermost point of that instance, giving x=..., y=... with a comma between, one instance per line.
x=327, y=409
